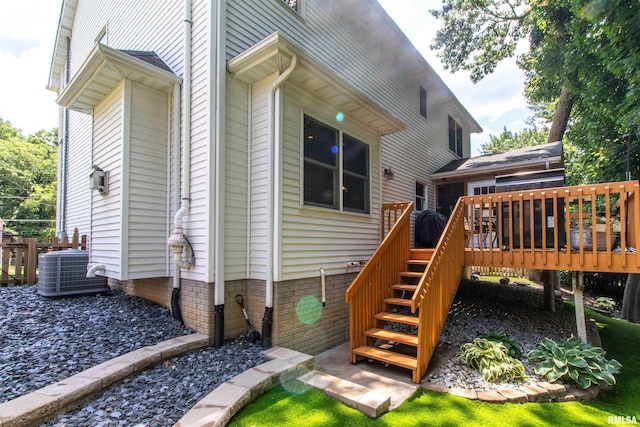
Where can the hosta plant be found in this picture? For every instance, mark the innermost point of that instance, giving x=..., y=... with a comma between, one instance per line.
x=514, y=349
x=492, y=360
x=605, y=304
x=572, y=361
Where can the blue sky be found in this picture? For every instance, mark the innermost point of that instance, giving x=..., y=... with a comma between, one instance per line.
x=28, y=28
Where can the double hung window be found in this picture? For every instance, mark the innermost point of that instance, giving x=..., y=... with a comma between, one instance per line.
x=336, y=169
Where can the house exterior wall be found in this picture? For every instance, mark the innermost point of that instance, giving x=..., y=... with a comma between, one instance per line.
x=237, y=179
x=148, y=183
x=106, y=211
x=311, y=237
x=154, y=26
x=78, y=168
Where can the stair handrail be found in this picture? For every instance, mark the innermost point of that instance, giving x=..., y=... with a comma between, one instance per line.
x=391, y=235
x=437, y=288
x=443, y=251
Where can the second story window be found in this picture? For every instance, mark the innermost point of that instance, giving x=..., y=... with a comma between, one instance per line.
x=423, y=102
x=293, y=4
x=455, y=137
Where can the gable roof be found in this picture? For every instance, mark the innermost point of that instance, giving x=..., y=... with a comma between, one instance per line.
x=514, y=159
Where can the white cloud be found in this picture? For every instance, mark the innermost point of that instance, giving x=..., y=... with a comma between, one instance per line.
x=27, y=34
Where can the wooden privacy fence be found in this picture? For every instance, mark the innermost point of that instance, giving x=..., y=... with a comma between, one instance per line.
x=20, y=256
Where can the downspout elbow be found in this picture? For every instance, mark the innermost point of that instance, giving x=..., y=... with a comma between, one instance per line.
x=92, y=269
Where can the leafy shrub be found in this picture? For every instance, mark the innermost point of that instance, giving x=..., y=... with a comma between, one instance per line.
x=573, y=361
x=514, y=349
x=492, y=360
x=605, y=303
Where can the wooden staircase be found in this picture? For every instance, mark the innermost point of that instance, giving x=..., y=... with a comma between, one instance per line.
x=394, y=339
x=399, y=301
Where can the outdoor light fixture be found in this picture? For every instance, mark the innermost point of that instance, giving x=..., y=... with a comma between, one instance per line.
x=388, y=174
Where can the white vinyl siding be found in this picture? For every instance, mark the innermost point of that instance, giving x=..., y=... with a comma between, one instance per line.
x=351, y=38
x=157, y=25
x=259, y=179
x=314, y=238
x=148, y=216
x=236, y=180
x=106, y=225
x=78, y=169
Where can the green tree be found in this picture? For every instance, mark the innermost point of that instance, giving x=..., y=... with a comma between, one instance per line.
x=582, y=66
x=28, y=180
x=508, y=140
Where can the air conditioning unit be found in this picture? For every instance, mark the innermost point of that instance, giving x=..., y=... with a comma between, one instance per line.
x=65, y=273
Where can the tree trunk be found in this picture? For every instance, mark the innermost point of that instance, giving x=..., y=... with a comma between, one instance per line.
x=631, y=299
x=561, y=116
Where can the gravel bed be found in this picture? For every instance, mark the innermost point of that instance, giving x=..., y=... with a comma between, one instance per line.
x=161, y=395
x=517, y=310
x=45, y=340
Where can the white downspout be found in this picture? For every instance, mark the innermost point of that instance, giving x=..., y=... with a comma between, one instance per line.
x=176, y=165
x=178, y=240
x=219, y=76
x=271, y=251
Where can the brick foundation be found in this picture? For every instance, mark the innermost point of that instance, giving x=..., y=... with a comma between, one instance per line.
x=300, y=322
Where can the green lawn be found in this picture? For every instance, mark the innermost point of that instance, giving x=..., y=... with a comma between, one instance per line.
x=426, y=408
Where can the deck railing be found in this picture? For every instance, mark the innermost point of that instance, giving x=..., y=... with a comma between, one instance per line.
x=437, y=288
x=373, y=283
x=581, y=228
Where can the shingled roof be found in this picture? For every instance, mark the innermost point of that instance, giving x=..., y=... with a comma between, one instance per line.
x=550, y=152
x=149, y=57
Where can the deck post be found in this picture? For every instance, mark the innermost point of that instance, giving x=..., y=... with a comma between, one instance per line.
x=549, y=279
x=578, y=287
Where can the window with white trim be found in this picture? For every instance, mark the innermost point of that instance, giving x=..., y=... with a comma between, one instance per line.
x=421, y=196
x=293, y=4
x=336, y=169
x=455, y=137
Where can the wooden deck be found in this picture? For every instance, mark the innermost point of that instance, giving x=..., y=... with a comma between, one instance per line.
x=584, y=228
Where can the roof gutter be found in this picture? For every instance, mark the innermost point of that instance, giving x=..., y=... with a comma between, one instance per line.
x=500, y=168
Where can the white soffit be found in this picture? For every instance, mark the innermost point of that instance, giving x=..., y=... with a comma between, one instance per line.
x=273, y=54
x=103, y=70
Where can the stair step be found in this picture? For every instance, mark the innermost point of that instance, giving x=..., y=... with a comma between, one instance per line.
x=422, y=253
x=411, y=274
x=386, y=356
x=397, y=318
x=404, y=287
x=371, y=402
x=398, y=301
x=419, y=261
x=387, y=335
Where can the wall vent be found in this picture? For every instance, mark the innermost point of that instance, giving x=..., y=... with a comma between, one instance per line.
x=65, y=273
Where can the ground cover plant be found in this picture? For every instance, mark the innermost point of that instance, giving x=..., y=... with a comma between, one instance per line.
x=514, y=349
x=492, y=359
x=313, y=408
x=572, y=361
